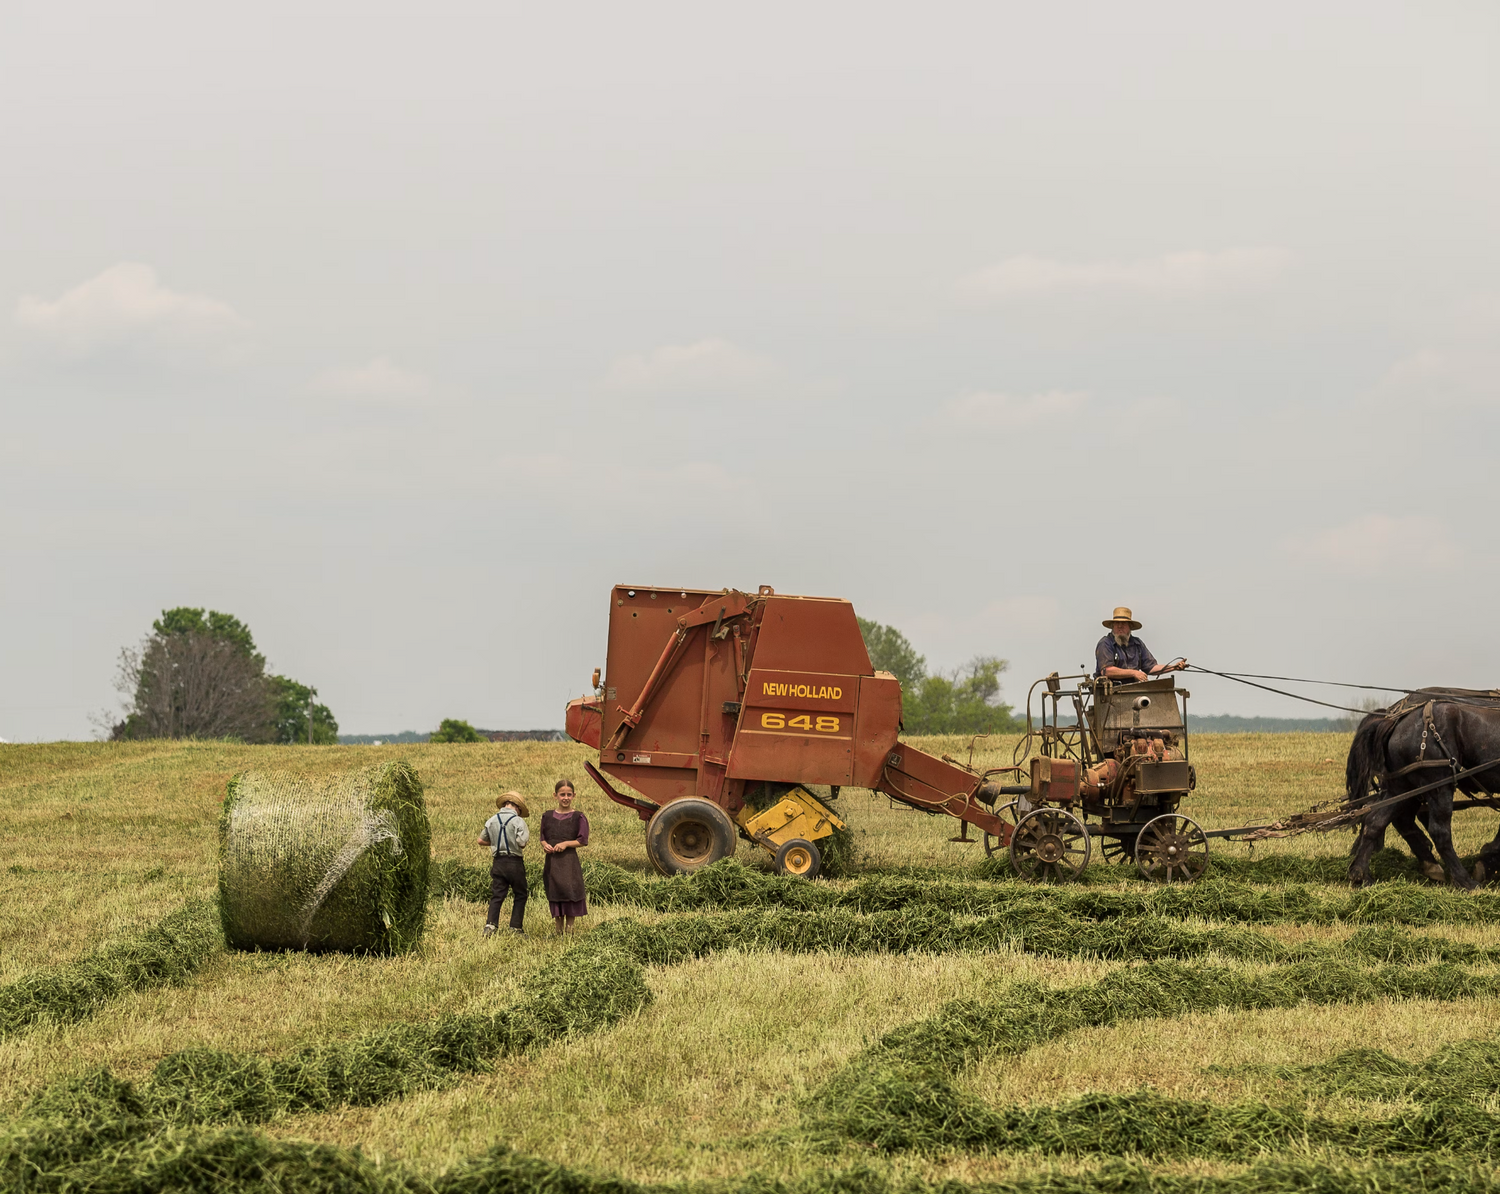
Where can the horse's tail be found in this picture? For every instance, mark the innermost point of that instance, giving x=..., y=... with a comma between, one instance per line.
x=1366, y=756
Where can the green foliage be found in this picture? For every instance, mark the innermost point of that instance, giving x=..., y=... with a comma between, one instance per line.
x=169, y=952
x=965, y=700
x=224, y=627
x=290, y=700
x=199, y=675
x=891, y=651
x=453, y=730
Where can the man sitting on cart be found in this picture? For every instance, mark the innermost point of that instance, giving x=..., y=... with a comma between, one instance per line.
x=1122, y=656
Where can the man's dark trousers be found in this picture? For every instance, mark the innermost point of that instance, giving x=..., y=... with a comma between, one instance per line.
x=508, y=873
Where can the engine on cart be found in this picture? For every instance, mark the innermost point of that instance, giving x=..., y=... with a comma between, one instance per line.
x=1116, y=771
x=1134, y=769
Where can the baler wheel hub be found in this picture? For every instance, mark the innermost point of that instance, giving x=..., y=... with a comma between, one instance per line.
x=689, y=842
x=799, y=858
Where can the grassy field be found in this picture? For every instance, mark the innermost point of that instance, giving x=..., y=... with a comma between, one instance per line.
x=720, y=1077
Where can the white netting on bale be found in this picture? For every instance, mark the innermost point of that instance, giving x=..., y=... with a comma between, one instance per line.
x=324, y=864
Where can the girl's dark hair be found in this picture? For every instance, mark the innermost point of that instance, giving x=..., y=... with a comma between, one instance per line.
x=561, y=784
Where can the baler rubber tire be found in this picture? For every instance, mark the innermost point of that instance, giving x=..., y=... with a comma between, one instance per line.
x=689, y=834
x=794, y=853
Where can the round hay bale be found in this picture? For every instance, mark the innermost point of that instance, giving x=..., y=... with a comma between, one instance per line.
x=324, y=864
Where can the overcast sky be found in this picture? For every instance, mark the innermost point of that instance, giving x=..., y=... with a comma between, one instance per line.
x=404, y=332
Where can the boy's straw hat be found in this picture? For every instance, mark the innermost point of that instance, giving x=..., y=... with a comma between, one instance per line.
x=1122, y=614
x=514, y=798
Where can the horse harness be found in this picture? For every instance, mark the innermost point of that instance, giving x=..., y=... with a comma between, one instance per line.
x=1408, y=704
x=1429, y=727
x=1352, y=812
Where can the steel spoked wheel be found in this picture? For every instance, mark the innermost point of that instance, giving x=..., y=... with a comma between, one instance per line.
x=1050, y=844
x=992, y=844
x=1172, y=849
x=1118, y=849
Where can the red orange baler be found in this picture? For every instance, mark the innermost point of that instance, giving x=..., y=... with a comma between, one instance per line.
x=715, y=706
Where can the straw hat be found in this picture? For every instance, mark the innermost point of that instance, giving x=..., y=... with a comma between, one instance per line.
x=514, y=798
x=1122, y=614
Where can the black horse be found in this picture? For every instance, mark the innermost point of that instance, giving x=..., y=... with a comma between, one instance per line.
x=1444, y=730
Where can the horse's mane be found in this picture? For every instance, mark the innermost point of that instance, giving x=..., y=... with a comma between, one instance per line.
x=1367, y=754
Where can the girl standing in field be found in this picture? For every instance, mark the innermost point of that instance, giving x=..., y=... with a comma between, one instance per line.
x=564, y=830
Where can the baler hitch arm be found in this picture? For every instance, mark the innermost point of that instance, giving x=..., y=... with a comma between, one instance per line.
x=716, y=610
x=630, y=718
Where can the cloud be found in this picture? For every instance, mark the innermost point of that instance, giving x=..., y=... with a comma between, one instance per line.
x=998, y=627
x=984, y=410
x=379, y=382
x=1373, y=544
x=127, y=309
x=1172, y=275
x=1459, y=368
x=705, y=366
x=626, y=475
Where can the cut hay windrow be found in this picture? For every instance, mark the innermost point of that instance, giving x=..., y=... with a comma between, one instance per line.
x=1467, y=1069
x=1034, y=928
x=937, y=1117
x=84, y=1157
x=587, y=989
x=167, y=953
x=730, y=884
x=335, y=864
x=1030, y=1014
x=1389, y=863
x=597, y=983
x=898, y=1093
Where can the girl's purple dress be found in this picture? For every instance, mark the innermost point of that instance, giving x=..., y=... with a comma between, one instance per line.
x=562, y=874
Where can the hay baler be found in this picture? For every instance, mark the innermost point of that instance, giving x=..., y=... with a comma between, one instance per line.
x=716, y=709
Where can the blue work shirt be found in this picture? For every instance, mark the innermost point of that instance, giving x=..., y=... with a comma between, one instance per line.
x=1133, y=656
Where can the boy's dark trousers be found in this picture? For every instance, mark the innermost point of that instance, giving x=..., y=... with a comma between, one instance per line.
x=508, y=872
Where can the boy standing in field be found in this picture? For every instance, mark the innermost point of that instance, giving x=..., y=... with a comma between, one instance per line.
x=506, y=835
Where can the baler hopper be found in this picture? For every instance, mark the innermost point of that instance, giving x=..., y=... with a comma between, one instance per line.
x=716, y=709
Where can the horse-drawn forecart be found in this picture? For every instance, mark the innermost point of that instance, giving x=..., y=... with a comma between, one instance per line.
x=1115, y=770
x=719, y=709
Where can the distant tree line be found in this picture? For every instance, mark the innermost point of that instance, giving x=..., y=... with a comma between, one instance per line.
x=198, y=675
x=965, y=700
x=1229, y=723
x=451, y=729
x=454, y=730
